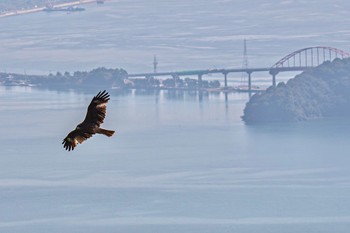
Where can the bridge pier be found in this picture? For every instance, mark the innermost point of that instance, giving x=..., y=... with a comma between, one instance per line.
x=249, y=81
x=225, y=76
x=200, y=80
x=274, y=74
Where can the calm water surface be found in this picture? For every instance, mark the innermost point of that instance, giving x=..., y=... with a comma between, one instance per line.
x=180, y=162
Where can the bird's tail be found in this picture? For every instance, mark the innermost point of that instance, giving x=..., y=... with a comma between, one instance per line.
x=106, y=132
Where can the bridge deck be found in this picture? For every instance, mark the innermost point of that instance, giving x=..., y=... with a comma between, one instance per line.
x=219, y=71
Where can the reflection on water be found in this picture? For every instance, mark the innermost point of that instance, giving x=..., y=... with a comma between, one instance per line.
x=179, y=95
x=180, y=161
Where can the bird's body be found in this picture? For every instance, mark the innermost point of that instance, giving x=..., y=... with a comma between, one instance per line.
x=91, y=125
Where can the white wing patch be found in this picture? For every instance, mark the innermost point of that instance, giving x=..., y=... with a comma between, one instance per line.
x=101, y=105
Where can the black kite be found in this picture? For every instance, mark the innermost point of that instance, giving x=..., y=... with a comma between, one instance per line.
x=95, y=115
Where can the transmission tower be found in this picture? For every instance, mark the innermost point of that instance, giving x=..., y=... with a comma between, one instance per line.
x=155, y=64
x=245, y=63
x=245, y=55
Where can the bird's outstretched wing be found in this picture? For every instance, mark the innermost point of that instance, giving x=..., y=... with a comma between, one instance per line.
x=75, y=137
x=96, y=112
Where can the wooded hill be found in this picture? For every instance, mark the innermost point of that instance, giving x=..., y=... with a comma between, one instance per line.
x=319, y=92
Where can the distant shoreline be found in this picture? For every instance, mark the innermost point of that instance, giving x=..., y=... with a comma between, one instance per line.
x=39, y=9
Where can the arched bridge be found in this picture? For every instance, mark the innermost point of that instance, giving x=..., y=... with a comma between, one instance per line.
x=299, y=60
x=310, y=57
x=306, y=58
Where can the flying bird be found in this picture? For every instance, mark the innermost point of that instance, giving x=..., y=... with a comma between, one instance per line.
x=95, y=115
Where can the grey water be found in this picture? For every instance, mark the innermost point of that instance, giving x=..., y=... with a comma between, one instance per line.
x=180, y=161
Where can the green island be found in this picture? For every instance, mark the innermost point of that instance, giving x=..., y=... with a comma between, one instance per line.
x=100, y=77
x=316, y=93
x=103, y=78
